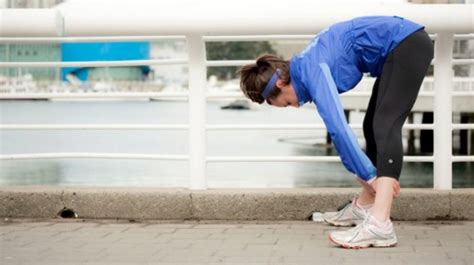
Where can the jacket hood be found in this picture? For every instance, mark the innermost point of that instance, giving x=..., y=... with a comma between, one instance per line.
x=295, y=80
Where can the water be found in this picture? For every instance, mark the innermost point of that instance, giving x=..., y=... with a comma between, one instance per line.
x=155, y=173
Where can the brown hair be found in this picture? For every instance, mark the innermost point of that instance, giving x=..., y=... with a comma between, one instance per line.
x=254, y=77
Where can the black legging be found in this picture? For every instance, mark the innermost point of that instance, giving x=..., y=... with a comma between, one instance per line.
x=393, y=96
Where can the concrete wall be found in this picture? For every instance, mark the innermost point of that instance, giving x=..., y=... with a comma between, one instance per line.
x=219, y=204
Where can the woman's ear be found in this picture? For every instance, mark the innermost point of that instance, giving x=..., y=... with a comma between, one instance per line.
x=280, y=84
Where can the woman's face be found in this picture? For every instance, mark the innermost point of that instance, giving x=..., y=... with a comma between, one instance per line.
x=286, y=98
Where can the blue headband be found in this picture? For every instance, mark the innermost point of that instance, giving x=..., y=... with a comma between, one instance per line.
x=271, y=84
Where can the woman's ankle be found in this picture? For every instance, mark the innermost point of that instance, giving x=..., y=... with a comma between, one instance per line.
x=365, y=206
x=365, y=198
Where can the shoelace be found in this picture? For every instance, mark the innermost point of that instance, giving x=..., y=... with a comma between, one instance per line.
x=357, y=229
x=359, y=226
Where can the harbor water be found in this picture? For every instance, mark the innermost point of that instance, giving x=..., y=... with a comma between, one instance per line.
x=156, y=173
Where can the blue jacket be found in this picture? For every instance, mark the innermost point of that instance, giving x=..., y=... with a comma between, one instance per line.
x=333, y=63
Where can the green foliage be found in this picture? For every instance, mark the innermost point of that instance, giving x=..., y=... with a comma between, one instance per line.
x=234, y=51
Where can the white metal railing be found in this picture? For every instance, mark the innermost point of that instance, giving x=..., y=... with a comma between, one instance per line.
x=197, y=127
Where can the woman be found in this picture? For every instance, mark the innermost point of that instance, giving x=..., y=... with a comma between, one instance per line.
x=398, y=53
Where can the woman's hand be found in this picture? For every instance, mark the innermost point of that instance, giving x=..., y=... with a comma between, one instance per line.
x=396, y=187
x=372, y=187
x=369, y=188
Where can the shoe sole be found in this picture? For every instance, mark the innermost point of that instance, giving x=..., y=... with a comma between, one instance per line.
x=340, y=224
x=350, y=246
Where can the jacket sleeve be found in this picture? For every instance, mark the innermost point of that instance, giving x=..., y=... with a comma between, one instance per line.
x=323, y=90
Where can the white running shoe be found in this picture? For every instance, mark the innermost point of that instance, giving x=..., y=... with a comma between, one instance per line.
x=365, y=235
x=350, y=215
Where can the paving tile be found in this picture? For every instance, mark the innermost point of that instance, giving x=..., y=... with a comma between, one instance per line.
x=290, y=242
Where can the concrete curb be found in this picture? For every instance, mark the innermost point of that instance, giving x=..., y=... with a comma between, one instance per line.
x=220, y=204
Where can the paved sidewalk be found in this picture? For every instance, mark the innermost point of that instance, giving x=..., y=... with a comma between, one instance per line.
x=293, y=242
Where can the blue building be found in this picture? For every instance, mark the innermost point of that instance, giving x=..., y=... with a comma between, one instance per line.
x=113, y=51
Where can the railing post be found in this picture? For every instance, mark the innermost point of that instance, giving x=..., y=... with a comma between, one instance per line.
x=443, y=85
x=197, y=111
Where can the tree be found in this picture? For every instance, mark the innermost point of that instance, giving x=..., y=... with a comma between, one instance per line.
x=234, y=51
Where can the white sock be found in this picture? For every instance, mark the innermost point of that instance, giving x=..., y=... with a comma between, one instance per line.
x=380, y=224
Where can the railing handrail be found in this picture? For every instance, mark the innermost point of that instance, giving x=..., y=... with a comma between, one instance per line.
x=118, y=63
x=172, y=126
x=183, y=95
x=156, y=18
x=241, y=38
x=207, y=159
